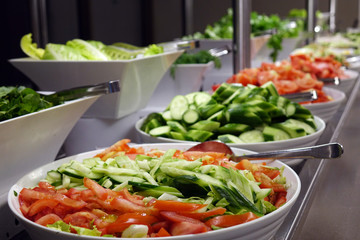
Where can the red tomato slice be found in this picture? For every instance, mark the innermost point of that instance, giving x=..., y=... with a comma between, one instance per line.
x=230, y=220
x=125, y=206
x=97, y=189
x=286, y=86
x=266, y=182
x=203, y=215
x=306, y=82
x=138, y=200
x=127, y=219
x=42, y=204
x=183, y=228
x=176, y=206
x=50, y=218
x=80, y=219
x=280, y=200
x=271, y=173
x=162, y=233
x=175, y=217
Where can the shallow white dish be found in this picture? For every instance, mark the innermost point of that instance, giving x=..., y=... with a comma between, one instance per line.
x=32, y=140
x=138, y=79
x=261, y=228
x=304, y=141
x=326, y=110
x=346, y=84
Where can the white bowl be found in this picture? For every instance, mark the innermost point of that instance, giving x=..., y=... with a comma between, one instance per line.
x=304, y=141
x=32, y=140
x=138, y=79
x=261, y=228
x=326, y=110
x=346, y=84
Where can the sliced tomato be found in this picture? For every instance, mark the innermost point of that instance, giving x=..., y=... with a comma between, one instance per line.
x=230, y=220
x=306, y=82
x=176, y=206
x=97, y=189
x=280, y=199
x=125, y=206
x=266, y=182
x=162, y=233
x=42, y=204
x=270, y=172
x=120, y=146
x=80, y=219
x=29, y=195
x=137, y=199
x=286, y=86
x=203, y=215
x=175, y=217
x=244, y=165
x=183, y=228
x=158, y=225
x=50, y=218
x=127, y=219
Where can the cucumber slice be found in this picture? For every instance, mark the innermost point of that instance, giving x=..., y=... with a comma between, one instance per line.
x=308, y=129
x=177, y=135
x=176, y=126
x=234, y=128
x=202, y=98
x=178, y=106
x=207, y=110
x=270, y=87
x=206, y=125
x=274, y=134
x=229, y=138
x=162, y=131
x=191, y=116
x=293, y=130
x=252, y=136
x=198, y=135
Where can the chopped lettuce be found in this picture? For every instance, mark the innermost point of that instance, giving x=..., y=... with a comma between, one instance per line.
x=62, y=52
x=30, y=48
x=64, y=227
x=153, y=49
x=88, y=50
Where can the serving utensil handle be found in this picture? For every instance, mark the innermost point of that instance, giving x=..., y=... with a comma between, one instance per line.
x=325, y=151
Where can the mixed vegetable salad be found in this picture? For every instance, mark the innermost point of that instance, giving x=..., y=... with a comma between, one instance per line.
x=232, y=114
x=81, y=50
x=18, y=101
x=127, y=192
x=285, y=28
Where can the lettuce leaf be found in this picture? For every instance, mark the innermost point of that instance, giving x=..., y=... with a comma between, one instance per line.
x=61, y=52
x=30, y=48
x=64, y=227
x=153, y=49
x=88, y=50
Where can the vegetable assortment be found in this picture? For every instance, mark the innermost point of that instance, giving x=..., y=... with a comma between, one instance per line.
x=81, y=50
x=232, y=114
x=18, y=101
x=127, y=192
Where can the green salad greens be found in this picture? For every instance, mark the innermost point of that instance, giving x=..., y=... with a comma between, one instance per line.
x=80, y=50
x=286, y=28
x=18, y=101
x=199, y=57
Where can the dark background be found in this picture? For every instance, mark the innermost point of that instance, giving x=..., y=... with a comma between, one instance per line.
x=138, y=22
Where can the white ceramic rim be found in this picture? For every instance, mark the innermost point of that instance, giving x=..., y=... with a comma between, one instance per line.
x=281, y=211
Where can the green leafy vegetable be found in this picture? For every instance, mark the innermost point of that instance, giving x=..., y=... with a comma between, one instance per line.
x=195, y=58
x=80, y=50
x=18, y=101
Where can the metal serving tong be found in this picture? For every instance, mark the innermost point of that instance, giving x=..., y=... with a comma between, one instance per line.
x=331, y=81
x=180, y=45
x=302, y=96
x=84, y=91
x=220, y=51
x=324, y=151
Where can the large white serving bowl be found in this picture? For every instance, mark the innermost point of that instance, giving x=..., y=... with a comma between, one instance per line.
x=261, y=228
x=304, y=141
x=31, y=140
x=346, y=84
x=326, y=110
x=138, y=79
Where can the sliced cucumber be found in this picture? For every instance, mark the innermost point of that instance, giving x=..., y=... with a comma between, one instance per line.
x=198, y=135
x=191, y=116
x=162, y=131
x=234, y=128
x=229, y=138
x=178, y=106
x=252, y=136
x=206, y=125
x=176, y=126
x=275, y=134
